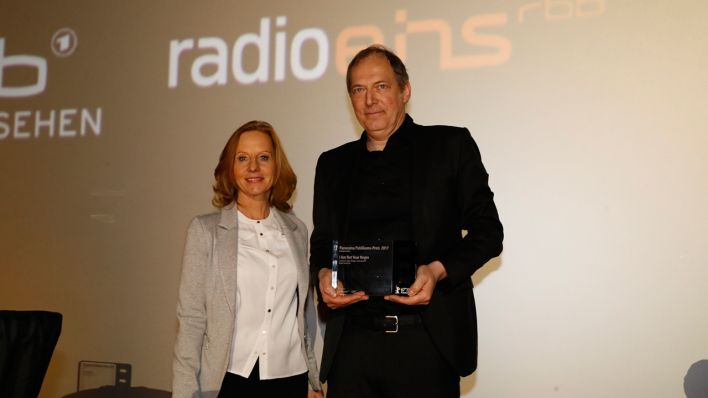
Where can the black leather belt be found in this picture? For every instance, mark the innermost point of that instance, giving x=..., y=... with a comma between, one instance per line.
x=386, y=323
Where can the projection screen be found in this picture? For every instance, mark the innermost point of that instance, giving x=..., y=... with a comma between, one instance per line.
x=590, y=116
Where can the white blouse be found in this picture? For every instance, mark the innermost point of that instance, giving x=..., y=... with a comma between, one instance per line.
x=266, y=303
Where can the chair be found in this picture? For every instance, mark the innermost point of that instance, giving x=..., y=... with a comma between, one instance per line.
x=27, y=341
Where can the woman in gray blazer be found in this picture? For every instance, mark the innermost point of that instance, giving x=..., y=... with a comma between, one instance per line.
x=245, y=313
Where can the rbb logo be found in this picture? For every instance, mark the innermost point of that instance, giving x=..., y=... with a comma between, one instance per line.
x=22, y=61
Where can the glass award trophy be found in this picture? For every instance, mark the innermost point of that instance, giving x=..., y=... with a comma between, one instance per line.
x=377, y=268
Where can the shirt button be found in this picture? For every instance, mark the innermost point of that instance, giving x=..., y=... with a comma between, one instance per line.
x=264, y=332
x=268, y=309
x=272, y=288
x=261, y=234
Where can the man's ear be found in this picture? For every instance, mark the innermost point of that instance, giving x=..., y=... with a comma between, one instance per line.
x=406, y=92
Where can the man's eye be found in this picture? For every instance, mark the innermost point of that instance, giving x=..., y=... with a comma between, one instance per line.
x=381, y=86
x=357, y=90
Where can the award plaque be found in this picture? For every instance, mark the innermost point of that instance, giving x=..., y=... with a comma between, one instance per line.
x=377, y=268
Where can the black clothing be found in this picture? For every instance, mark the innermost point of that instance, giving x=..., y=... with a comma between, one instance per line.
x=380, y=207
x=449, y=193
x=235, y=386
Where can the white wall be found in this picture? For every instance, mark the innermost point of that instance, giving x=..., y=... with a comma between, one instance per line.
x=591, y=118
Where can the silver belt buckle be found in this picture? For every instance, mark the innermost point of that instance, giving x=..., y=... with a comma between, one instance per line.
x=395, y=319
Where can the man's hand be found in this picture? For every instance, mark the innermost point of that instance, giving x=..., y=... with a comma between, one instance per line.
x=421, y=291
x=336, y=298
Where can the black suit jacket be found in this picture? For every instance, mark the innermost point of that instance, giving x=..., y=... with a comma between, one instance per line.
x=450, y=194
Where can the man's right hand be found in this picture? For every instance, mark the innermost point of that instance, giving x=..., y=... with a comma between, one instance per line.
x=335, y=298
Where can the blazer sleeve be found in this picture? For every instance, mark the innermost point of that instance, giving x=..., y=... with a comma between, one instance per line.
x=191, y=312
x=477, y=214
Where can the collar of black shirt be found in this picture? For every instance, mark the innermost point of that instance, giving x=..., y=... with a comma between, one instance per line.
x=401, y=136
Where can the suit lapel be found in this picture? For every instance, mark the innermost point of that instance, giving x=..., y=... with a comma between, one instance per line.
x=288, y=228
x=226, y=242
x=418, y=172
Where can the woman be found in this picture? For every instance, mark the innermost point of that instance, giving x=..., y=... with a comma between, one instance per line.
x=244, y=295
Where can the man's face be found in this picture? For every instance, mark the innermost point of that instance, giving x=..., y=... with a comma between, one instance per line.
x=378, y=101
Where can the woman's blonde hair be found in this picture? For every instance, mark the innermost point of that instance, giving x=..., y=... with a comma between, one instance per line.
x=284, y=180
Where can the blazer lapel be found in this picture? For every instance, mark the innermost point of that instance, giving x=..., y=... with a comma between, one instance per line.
x=417, y=199
x=226, y=252
x=288, y=228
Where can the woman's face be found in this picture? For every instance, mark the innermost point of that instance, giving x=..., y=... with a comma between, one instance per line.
x=254, y=166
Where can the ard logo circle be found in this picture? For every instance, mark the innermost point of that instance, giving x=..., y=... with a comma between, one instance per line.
x=64, y=42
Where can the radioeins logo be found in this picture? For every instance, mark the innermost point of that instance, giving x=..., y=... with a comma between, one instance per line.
x=34, y=123
x=210, y=61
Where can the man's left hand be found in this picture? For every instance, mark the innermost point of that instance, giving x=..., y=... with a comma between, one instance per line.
x=421, y=291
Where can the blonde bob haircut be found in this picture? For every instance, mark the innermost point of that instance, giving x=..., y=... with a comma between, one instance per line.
x=284, y=182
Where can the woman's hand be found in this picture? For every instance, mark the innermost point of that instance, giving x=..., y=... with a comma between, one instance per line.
x=315, y=394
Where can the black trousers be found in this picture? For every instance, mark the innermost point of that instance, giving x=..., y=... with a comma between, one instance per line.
x=235, y=386
x=374, y=364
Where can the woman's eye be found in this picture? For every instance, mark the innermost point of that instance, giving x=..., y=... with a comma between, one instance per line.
x=242, y=158
x=265, y=158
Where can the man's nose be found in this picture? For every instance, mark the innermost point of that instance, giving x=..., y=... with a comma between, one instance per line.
x=370, y=98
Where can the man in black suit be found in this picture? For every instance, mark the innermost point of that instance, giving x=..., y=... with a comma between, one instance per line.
x=402, y=182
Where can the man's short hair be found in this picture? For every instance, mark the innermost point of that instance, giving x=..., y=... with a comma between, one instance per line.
x=399, y=69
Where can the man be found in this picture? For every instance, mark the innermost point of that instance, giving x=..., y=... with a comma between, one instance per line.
x=402, y=182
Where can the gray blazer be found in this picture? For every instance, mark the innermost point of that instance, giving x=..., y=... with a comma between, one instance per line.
x=207, y=295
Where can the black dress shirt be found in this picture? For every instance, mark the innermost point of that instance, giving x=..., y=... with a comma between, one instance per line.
x=380, y=205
